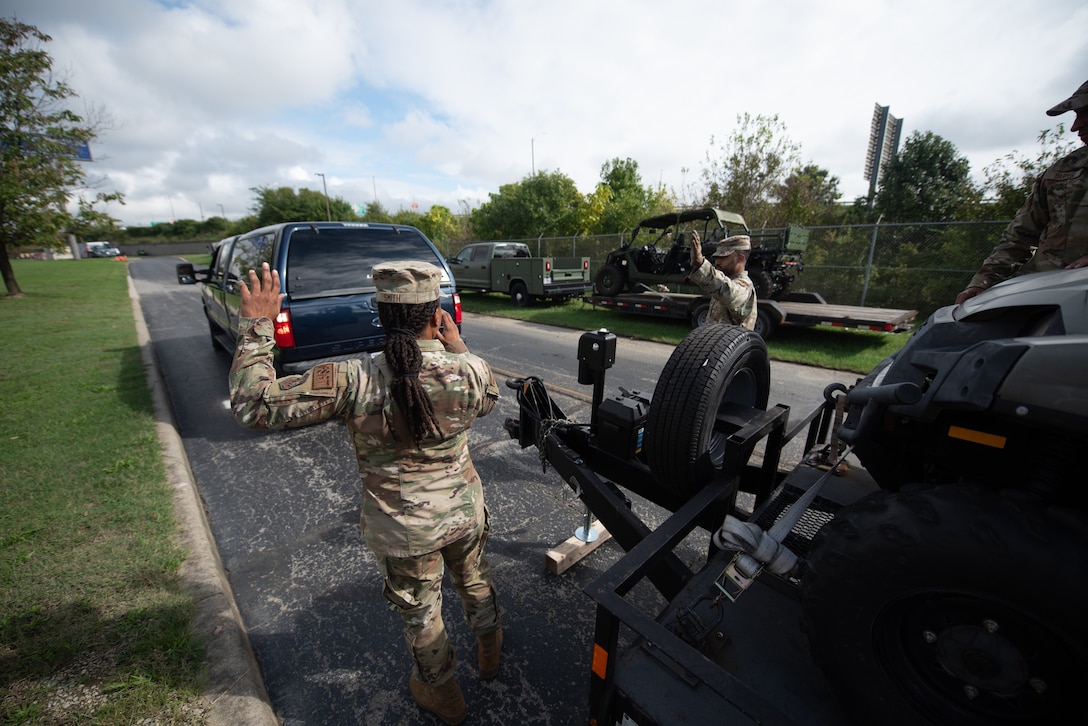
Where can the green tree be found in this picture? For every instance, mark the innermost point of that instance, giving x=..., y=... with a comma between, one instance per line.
x=593, y=209
x=928, y=181
x=441, y=226
x=375, y=212
x=546, y=203
x=214, y=227
x=745, y=173
x=629, y=200
x=408, y=217
x=1010, y=178
x=809, y=196
x=272, y=206
x=38, y=133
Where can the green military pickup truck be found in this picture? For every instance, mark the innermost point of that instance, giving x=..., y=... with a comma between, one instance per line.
x=509, y=267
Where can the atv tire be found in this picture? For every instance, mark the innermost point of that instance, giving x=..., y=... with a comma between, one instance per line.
x=762, y=283
x=951, y=605
x=686, y=426
x=609, y=281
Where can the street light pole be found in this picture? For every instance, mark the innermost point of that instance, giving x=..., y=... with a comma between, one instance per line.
x=328, y=209
x=222, y=211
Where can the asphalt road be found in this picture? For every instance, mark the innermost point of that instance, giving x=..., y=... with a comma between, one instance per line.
x=283, y=508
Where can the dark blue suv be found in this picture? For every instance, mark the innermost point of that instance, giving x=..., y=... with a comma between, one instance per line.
x=329, y=312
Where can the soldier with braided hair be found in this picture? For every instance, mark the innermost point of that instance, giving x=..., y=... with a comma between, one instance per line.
x=405, y=358
x=408, y=410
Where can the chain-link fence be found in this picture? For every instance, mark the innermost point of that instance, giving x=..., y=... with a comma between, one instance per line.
x=914, y=266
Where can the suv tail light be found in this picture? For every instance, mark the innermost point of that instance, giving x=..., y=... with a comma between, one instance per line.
x=284, y=333
x=547, y=265
x=457, y=308
x=585, y=264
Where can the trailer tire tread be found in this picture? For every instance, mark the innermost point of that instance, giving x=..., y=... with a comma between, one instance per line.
x=696, y=380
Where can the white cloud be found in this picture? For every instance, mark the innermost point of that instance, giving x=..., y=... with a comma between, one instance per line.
x=443, y=102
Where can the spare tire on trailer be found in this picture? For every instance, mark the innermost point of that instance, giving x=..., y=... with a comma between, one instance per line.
x=687, y=425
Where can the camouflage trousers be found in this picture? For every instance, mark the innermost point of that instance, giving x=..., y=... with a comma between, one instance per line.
x=414, y=587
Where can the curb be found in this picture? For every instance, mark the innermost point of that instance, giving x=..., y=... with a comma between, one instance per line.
x=235, y=693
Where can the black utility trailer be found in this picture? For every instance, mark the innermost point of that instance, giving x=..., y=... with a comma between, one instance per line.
x=924, y=563
x=709, y=657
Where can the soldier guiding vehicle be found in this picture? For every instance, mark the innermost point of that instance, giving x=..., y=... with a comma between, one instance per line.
x=408, y=410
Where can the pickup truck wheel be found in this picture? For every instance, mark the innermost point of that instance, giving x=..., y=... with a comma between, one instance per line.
x=714, y=368
x=609, y=281
x=914, y=606
x=520, y=295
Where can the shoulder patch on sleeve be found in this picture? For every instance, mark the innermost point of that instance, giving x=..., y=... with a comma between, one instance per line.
x=324, y=376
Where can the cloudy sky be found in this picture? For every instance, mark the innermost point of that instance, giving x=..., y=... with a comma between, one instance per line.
x=421, y=102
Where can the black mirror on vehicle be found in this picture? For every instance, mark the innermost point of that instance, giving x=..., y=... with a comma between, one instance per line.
x=186, y=273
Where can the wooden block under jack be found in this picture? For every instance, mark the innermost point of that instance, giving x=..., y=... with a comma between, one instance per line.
x=559, y=559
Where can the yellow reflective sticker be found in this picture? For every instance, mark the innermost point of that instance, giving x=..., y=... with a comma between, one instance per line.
x=977, y=437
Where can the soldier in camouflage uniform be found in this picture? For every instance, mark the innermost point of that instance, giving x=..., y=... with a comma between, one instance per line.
x=408, y=410
x=1050, y=232
x=732, y=294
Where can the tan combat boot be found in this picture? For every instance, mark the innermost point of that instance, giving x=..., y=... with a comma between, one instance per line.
x=488, y=648
x=444, y=700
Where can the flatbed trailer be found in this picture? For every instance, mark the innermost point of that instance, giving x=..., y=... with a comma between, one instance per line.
x=708, y=656
x=805, y=309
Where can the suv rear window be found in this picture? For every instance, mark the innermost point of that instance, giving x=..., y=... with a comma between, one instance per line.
x=325, y=262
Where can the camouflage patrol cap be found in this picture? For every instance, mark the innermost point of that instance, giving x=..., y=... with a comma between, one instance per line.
x=407, y=282
x=729, y=245
x=1077, y=101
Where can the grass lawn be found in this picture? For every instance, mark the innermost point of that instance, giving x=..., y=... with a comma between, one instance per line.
x=94, y=625
x=839, y=348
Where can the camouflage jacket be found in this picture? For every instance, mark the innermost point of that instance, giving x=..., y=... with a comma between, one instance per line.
x=1050, y=230
x=732, y=299
x=415, y=500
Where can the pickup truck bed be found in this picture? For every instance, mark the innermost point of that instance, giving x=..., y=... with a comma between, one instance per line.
x=509, y=267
